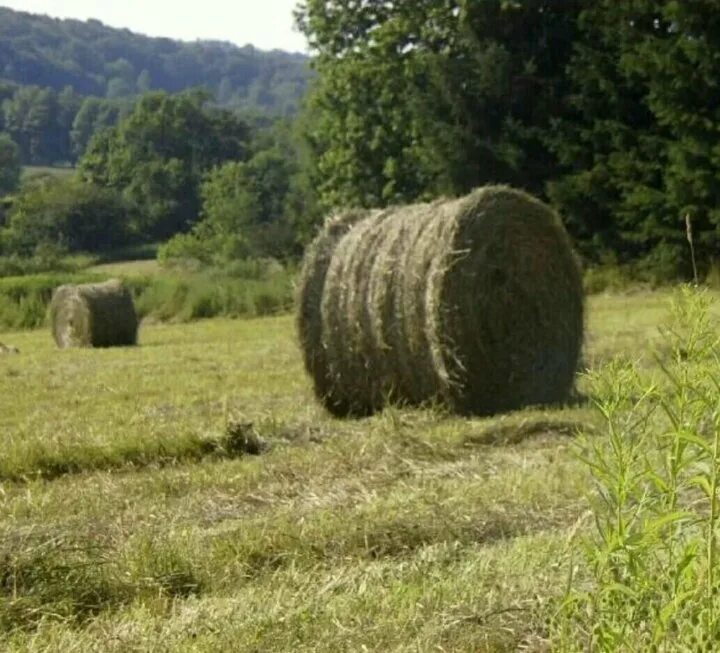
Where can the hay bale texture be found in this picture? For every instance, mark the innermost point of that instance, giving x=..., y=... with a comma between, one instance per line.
x=474, y=302
x=309, y=299
x=93, y=315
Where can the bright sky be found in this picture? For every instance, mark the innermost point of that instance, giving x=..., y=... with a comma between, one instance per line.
x=266, y=24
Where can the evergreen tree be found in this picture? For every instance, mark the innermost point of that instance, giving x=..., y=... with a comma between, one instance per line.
x=641, y=150
x=677, y=54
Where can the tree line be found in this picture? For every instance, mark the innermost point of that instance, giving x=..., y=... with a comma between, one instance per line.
x=607, y=110
x=97, y=60
x=54, y=128
x=176, y=166
x=63, y=80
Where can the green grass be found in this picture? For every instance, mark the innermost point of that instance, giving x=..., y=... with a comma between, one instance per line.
x=28, y=172
x=148, y=268
x=131, y=520
x=648, y=573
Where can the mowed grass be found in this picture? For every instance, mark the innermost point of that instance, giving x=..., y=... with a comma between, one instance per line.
x=132, y=518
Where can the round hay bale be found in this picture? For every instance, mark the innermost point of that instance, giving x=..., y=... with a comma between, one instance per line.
x=476, y=302
x=93, y=315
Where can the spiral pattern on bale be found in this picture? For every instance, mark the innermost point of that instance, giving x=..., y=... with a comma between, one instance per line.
x=93, y=315
x=475, y=302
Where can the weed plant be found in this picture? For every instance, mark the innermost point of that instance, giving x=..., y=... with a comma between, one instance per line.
x=647, y=577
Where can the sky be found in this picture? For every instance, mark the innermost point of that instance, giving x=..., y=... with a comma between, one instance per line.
x=266, y=24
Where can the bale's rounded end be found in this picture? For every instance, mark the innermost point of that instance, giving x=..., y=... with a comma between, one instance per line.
x=93, y=315
x=510, y=307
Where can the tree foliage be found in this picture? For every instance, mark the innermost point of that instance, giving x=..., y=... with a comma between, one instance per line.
x=94, y=115
x=641, y=150
x=261, y=207
x=418, y=99
x=65, y=214
x=9, y=164
x=53, y=98
x=676, y=54
x=97, y=60
x=608, y=108
x=157, y=155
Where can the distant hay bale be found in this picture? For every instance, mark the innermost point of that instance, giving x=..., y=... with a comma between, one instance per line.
x=474, y=302
x=93, y=315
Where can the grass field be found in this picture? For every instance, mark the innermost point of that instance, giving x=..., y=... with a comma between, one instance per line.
x=28, y=172
x=133, y=518
x=127, y=268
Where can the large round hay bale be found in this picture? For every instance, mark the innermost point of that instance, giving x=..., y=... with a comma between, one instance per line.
x=93, y=315
x=475, y=302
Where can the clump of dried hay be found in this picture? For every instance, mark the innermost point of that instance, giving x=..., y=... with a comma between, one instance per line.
x=93, y=315
x=475, y=302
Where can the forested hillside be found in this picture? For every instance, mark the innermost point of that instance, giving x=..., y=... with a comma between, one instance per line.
x=63, y=80
x=102, y=61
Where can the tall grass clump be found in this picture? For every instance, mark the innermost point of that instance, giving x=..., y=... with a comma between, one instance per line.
x=650, y=579
x=24, y=300
x=187, y=297
x=55, y=579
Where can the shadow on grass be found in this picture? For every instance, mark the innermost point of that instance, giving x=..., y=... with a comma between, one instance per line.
x=516, y=432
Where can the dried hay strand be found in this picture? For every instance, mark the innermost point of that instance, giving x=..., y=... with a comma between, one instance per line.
x=476, y=302
x=93, y=315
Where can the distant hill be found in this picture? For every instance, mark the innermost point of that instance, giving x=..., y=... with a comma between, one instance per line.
x=96, y=60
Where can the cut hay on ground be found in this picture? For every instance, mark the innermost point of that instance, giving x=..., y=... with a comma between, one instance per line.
x=93, y=315
x=474, y=302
